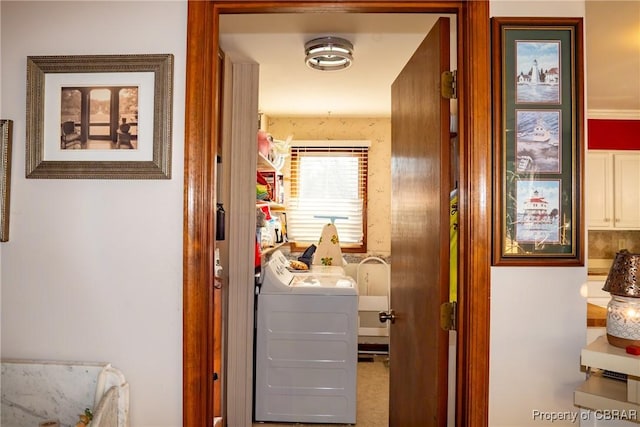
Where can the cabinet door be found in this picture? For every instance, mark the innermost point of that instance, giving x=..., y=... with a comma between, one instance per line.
x=627, y=190
x=599, y=190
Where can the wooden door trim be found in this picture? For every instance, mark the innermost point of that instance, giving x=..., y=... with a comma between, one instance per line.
x=201, y=124
x=475, y=206
x=197, y=354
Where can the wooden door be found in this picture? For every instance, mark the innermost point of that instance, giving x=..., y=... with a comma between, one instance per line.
x=420, y=150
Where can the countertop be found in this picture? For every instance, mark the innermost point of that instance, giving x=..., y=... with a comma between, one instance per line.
x=598, y=269
x=596, y=315
x=597, y=274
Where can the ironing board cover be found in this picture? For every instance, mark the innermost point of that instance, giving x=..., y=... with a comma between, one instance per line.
x=328, y=251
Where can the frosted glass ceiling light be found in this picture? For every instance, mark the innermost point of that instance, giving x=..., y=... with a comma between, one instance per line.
x=328, y=53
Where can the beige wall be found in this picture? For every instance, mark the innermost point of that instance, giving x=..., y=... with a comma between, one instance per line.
x=378, y=131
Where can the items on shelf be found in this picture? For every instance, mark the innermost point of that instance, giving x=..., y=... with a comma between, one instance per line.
x=272, y=185
x=273, y=150
x=269, y=227
x=262, y=187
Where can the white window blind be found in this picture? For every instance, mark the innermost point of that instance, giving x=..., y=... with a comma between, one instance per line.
x=328, y=183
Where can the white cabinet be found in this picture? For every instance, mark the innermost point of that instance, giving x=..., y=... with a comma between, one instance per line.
x=626, y=190
x=599, y=189
x=613, y=190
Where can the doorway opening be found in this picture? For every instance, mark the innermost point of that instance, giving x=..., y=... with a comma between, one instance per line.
x=203, y=113
x=242, y=45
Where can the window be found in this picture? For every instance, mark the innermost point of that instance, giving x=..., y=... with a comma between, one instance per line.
x=128, y=108
x=71, y=105
x=100, y=113
x=328, y=183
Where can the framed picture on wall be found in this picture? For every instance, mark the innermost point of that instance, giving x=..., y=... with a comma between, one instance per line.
x=99, y=116
x=538, y=138
x=6, y=130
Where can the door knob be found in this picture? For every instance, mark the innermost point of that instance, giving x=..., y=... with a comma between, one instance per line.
x=383, y=316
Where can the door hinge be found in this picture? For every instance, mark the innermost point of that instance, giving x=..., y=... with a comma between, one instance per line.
x=449, y=84
x=448, y=315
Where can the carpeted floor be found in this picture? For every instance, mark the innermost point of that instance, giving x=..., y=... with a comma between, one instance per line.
x=372, y=400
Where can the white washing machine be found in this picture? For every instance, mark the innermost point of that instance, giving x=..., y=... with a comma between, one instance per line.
x=306, y=346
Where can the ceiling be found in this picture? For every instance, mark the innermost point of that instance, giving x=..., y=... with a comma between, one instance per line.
x=383, y=43
x=613, y=55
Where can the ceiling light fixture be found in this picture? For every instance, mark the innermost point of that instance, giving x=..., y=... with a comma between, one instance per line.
x=328, y=53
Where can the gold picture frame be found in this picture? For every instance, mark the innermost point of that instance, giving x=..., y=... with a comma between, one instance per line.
x=62, y=100
x=6, y=130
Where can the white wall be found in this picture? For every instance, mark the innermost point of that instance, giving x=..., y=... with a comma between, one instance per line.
x=93, y=268
x=538, y=318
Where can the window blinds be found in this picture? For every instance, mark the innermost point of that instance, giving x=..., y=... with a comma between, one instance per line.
x=328, y=183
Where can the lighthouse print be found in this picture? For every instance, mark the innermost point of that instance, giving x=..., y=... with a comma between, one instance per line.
x=538, y=72
x=538, y=211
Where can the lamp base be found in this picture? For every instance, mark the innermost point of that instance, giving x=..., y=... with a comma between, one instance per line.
x=621, y=342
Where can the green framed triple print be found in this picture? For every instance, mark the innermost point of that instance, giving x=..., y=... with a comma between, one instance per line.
x=538, y=136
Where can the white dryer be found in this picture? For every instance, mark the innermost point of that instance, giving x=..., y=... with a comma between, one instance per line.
x=306, y=346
